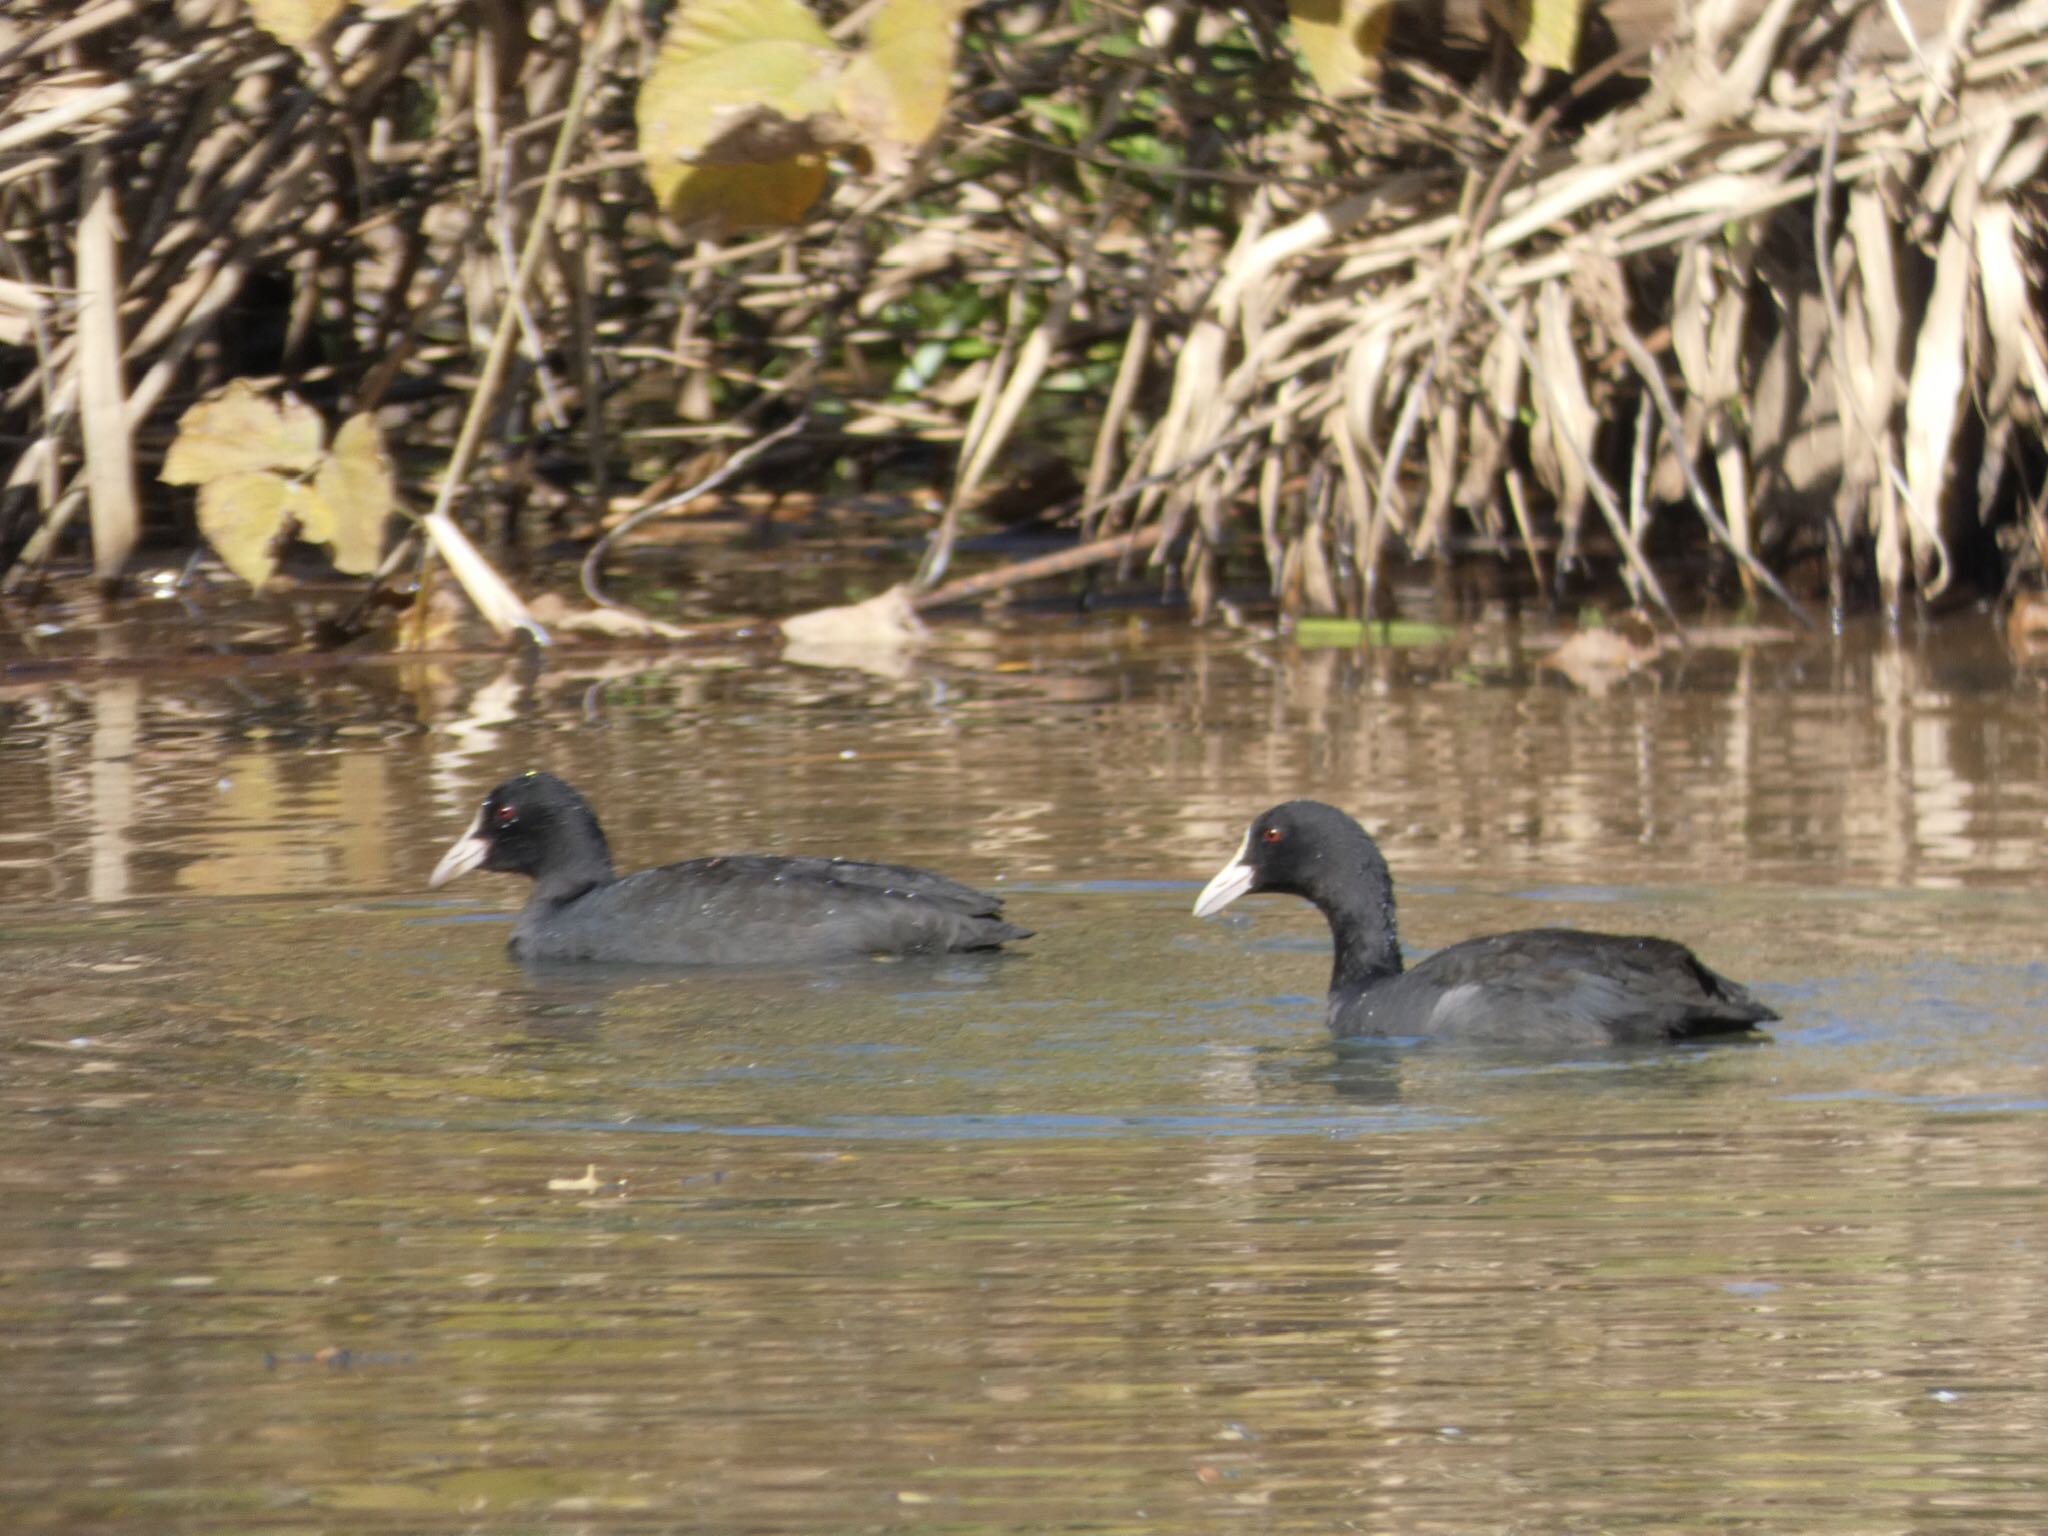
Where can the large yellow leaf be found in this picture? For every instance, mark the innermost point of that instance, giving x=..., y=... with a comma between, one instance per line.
x=236, y=430
x=725, y=68
x=295, y=22
x=1547, y=31
x=895, y=90
x=242, y=515
x=352, y=497
x=1340, y=41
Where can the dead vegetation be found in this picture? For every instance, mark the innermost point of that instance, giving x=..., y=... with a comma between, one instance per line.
x=1768, y=288
x=1756, y=282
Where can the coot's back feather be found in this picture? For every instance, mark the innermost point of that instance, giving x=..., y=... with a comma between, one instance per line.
x=738, y=909
x=1552, y=985
x=755, y=909
x=1539, y=986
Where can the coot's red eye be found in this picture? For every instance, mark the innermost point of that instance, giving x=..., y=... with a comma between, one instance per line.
x=1271, y=835
x=507, y=815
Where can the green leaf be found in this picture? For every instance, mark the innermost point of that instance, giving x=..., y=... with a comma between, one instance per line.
x=1314, y=634
x=1397, y=634
x=1050, y=113
x=919, y=369
x=735, y=115
x=1149, y=149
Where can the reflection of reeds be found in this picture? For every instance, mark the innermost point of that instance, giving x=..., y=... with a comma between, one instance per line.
x=1752, y=273
x=1091, y=754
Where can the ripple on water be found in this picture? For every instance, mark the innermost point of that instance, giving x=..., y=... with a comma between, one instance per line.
x=321, y=1214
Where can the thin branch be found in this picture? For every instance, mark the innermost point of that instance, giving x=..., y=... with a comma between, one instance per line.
x=593, y=560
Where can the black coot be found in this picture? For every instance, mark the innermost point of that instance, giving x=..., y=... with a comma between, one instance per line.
x=742, y=909
x=1542, y=986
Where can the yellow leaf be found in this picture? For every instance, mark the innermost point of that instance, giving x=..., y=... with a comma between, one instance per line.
x=236, y=430
x=355, y=495
x=242, y=515
x=726, y=68
x=295, y=22
x=314, y=515
x=1547, y=31
x=895, y=90
x=1340, y=41
x=720, y=199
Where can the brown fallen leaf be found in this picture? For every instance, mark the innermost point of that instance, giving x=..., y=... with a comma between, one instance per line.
x=1597, y=659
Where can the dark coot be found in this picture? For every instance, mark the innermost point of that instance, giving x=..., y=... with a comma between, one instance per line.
x=1542, y=986
x=742, y=909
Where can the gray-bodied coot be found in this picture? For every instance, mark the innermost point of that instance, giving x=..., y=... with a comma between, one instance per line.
x=1542, y=986
x=742, y=909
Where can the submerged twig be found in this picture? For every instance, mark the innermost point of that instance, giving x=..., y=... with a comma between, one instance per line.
x=593, y=559
x=1119, y=546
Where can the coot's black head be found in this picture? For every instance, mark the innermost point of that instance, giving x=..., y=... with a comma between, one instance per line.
x=533, y=825
x=1307, y=849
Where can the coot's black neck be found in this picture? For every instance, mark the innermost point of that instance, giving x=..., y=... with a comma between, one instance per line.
x=578, y=859
x=1360, y=909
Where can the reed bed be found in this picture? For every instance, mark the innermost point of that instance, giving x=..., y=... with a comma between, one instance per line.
x=1759, y=284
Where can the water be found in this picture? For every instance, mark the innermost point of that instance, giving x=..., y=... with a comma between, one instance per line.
x=317, y=1214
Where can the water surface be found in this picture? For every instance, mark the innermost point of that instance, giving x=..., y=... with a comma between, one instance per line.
x=319, y=1214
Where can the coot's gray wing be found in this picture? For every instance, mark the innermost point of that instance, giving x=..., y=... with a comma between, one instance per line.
x=754, y=909
x=1557, y=986
x=890, y=879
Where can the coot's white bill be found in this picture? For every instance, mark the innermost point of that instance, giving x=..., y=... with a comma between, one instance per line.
x=470, y=850
x=1231, y=882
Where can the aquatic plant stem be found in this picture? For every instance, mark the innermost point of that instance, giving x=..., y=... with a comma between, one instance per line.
x=593, y=561
x=489, y=591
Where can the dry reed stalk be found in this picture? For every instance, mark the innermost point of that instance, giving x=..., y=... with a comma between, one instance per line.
x=109, y=450
x=1659, y=176
x=81, y=106
x=495, y=600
